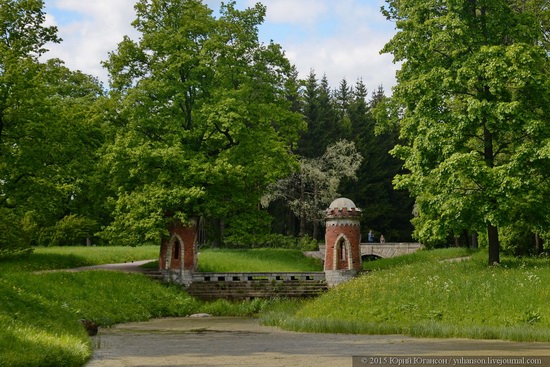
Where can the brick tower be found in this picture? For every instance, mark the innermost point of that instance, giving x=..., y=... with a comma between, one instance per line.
x=178, y=253
x=342, y=241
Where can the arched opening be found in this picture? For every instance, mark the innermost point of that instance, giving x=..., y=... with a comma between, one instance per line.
x=342, y=249
x=176, y=249
x=341, y=253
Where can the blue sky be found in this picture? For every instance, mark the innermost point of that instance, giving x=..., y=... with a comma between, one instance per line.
x=339, y=38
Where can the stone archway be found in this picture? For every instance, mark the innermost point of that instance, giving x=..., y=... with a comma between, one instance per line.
x=174, y=255
x=342, y=253
x=178, y=253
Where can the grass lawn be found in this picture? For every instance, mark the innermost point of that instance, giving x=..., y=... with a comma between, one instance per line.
x=420, y=294
x=40, y=312
x=256, y=260
x=429, y=297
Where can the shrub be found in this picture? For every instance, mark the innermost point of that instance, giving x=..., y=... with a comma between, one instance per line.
x=13, y=236
x=69, y=231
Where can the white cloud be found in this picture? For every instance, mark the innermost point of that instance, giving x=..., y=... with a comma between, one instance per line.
x=299, y=13
x=340, y=38
x=349, y=46
x=97, y=28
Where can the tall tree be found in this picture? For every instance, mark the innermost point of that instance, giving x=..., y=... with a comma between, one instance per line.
x=44, y=133
x=386, y=210
x=473, y=98
x=206, y=122
x=309, y=191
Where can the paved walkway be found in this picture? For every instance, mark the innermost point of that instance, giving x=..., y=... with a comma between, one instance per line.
x=219, y=341
x=129, y=267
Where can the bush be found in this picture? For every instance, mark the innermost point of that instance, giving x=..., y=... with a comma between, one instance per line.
x=13, y=235
x=272, y=241
x=70, y=231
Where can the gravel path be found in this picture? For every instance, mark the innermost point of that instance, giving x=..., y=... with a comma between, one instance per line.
x=215, y=341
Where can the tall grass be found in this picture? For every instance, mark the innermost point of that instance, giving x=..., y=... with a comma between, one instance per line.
x=438, y=299
x=50, y=258
x=40, y=311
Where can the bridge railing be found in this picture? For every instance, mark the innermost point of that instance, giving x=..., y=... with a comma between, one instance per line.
x=258, y=276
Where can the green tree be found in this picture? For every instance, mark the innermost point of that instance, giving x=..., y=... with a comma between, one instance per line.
x=45, y=136
x=472, y=97
x=385, y=210
x=321, y=116
x=309, y=191
x=204, y=119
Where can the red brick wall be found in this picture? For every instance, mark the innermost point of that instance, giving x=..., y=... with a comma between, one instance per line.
x=332, y=235
x=187, y=236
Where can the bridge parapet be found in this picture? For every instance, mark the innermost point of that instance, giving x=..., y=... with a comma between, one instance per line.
x=389, y=249
x=385, y=250
x=259, y=276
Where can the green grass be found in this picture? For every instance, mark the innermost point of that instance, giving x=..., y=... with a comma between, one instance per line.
x=256, y=260
x=417, y=294
x=416, y=257
x=433, y=298
x=40, y=311
x=49, y=258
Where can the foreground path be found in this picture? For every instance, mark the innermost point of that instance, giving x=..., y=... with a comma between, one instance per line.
x=128, y=267
x=219, y=341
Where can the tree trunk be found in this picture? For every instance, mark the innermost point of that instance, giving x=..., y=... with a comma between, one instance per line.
x=474, y=241
x=494, y=245
x=538, y=245
x=302, y=207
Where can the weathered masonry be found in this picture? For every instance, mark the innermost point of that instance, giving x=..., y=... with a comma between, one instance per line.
x=341, y=253
x=342, y=241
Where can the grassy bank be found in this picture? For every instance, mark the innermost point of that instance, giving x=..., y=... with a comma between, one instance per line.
x=256, y=260
x=40, y=311
x=420, y=294
x=428, y=297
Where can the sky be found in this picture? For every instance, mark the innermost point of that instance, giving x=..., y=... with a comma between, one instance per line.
x=337, y=38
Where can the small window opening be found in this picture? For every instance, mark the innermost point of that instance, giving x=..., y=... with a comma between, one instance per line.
x=177, y=249
x=342, y=249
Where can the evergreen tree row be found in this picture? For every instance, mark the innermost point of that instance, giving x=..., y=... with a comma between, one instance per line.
x=346, y=113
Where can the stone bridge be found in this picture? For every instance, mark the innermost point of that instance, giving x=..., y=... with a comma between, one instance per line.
x=389, y=249
x=383, y=250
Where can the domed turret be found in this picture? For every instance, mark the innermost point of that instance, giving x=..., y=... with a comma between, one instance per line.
x=343, y=208
x=342, y=241
x=342, y=203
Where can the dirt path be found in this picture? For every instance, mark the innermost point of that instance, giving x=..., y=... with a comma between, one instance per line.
x=243, y=342
x=128, y=267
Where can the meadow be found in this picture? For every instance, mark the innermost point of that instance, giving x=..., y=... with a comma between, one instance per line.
x=432, y=297
x=40, y=310
x=422, y=294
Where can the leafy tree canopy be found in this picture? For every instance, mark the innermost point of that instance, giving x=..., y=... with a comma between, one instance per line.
x=202, y=119
x=47, y=138
x=472, y=101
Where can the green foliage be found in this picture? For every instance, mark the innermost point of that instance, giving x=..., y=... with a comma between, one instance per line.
x=201, y=125
x=71, y=230
x=309, y=191
x=13, y=237
x=386, y=210
x=48, y=137
x=472, y=102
